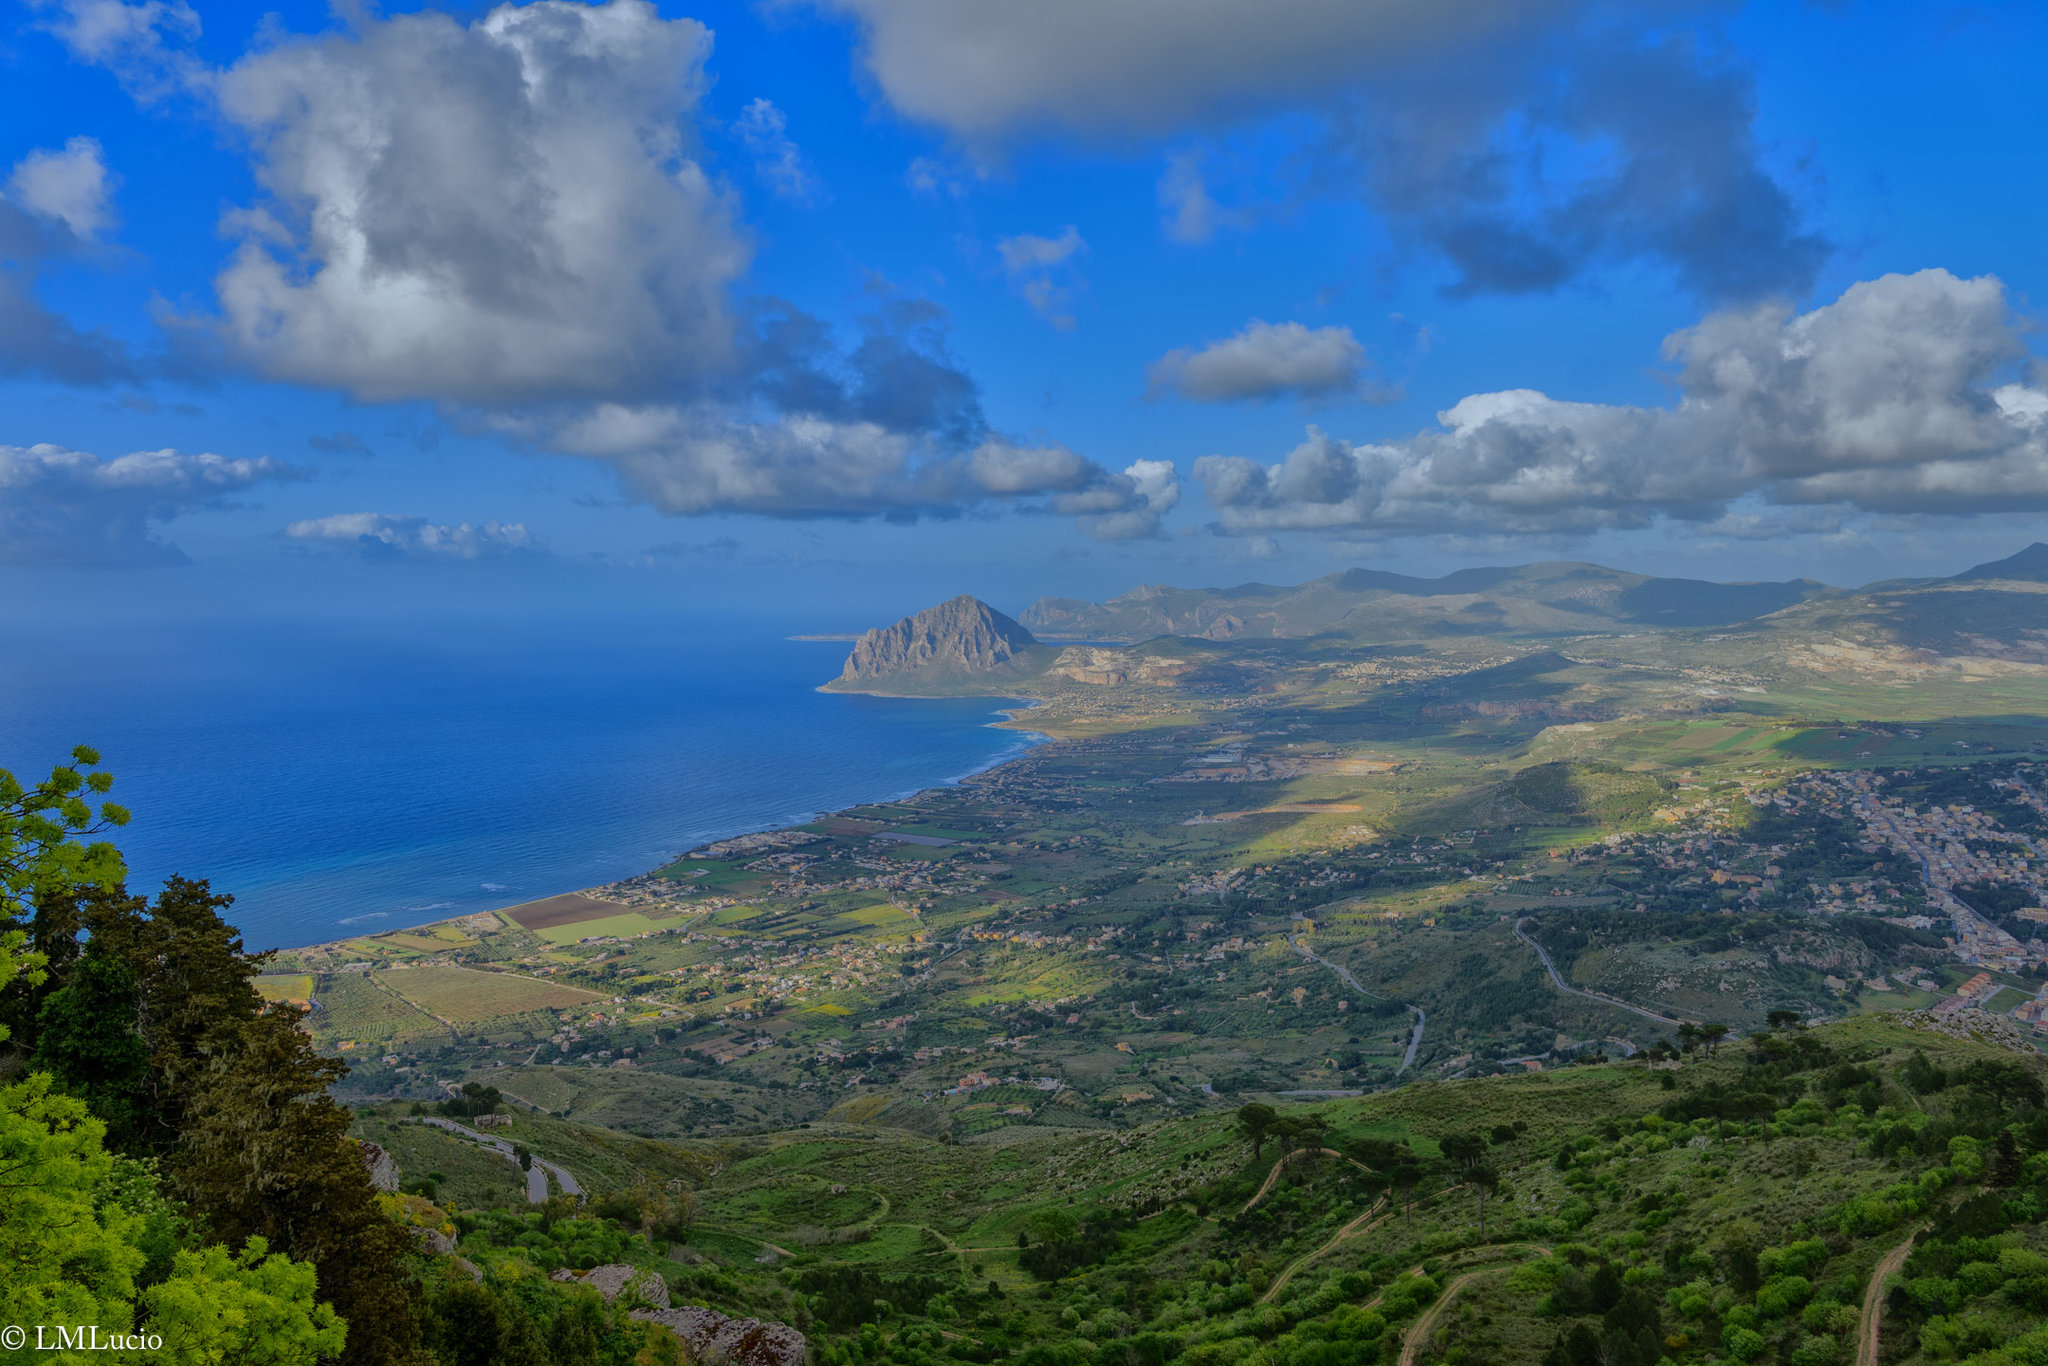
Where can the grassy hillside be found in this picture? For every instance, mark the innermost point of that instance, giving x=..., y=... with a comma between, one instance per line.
x=1761, y=1204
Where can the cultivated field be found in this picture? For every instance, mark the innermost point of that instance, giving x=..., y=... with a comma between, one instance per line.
x=296, y=987
x=352, y=1007
x=462, y=995
x=560, y=910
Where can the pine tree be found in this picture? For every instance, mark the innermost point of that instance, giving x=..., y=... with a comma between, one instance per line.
x=86, y=1038
x=192, y=980
x=2006, y=1167
x=265, y=1153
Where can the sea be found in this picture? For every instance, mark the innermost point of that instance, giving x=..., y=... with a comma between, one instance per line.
x=344, y=779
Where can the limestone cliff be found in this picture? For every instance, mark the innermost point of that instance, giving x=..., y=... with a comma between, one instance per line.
x=952, y=647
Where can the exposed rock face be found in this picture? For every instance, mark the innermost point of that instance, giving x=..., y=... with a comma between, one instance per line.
x=383, y=1170
x=962, y=637
x=711, y=1336
x=1109, y=667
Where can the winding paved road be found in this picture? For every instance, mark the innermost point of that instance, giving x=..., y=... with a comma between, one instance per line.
x=536, y=1175
x=1558, y=981
x=1344, y=975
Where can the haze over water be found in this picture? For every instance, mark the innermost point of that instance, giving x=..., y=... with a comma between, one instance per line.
x=350, y=780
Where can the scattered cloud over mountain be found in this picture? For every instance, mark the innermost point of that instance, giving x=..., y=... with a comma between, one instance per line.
x=1135, y=510
x=1901, y=396
x=1042, y=269
x=889, y=426
x=777, y=161
x=810, y=425
x=378, y=535
x=1267, y=361
x=55, y=202
x=60, y=506
x=695, y=461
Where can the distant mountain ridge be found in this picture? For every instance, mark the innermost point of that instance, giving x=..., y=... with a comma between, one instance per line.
x=2029, y=565
x=1554, y=597
x=964, y=646
x=959, y=640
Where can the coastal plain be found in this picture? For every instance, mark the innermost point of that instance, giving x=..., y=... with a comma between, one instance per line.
x=1390, y=880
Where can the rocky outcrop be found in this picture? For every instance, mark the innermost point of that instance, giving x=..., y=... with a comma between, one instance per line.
x=2002, y=1031
x=617, y=1278
x=1109, y=668
x=383, y=1170
x=948, y=644
x=711, y=1336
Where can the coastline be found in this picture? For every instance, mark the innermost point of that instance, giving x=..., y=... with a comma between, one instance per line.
x=1029, y=738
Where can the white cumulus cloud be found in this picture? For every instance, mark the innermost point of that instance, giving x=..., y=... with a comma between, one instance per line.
x=500, y=212
x=509, y=218
x=690, y=462
x=379, y=535
x=1899, y=397
x=1266, y=361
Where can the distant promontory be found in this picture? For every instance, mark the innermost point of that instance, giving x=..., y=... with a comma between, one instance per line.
x=960, y=646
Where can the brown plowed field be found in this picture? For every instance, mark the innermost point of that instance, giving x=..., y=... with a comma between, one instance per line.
x=563, y=910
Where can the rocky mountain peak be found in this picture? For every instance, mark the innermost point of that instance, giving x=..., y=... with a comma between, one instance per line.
x=961, y=636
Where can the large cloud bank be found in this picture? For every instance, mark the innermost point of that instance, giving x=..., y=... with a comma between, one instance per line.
x=508, y=216
x=1904, y=395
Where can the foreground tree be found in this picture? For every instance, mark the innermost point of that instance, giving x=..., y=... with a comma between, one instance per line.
x=41, y=850
x=42, y=856
x=265, y=1153
x=146, y=1016
x=87, y=1040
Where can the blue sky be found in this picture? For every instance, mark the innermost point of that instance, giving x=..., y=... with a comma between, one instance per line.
x=865, y=302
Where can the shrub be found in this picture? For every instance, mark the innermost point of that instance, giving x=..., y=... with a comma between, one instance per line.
x=1744, y=1344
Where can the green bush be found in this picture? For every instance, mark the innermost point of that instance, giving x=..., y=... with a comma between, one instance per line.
x=1744, y=1344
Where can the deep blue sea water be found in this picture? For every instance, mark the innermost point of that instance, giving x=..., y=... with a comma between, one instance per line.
x=347, y=779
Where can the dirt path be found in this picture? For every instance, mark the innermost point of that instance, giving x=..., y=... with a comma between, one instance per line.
x=1873, y=1301
x=1417, y=1336
x=1285, y=1158
x=1419, y=1331
x=1364, y=1223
